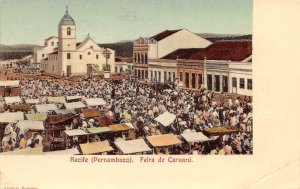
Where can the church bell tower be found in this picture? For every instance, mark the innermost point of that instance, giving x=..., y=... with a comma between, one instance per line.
x=66, y=33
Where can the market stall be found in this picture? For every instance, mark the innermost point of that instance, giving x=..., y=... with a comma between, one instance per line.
x=91, y=113
x=10, y=88
x=191, y=137
x=54, y=127
x=215, y=131
x=20, y=107
x=163, y=142
x=43, y=108
x=96, y=147
x=31, y=125
x=56, y=99
x=36, y=117
x=166, y=118
x=32, y=101
x=95, y=102
x=11, y=117
x=137, y=146
x=12, y=100
x=74, y=105
x=73, y=98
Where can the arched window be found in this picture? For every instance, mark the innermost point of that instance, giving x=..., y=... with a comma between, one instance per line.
x=68, y=31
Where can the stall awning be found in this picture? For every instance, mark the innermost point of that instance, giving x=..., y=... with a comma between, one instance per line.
x=43, y=108
x=119, y=127
x=72, y=151
x=73, y=97
x=20, y=107
x=26, y=151
x=74, y=105
x=95, y=102
x=95, y=130
x=220, y=130
x=96, y=147
x=55, y=119
x=195, y=137
x=11, y=117
x=65, y=111
x=165, y=118
x=36, y=117
x=163, y=140
x=132, y=146
x=75, y=132
x=10, y=83
x=91, y=112
x=34, y=125
x=14, y=99
x=57, y=99
x=32, y=101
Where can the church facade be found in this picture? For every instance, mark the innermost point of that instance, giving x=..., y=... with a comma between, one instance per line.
x=72, y=58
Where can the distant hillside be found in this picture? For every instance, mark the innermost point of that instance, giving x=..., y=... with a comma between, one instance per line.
x=123, y=49
x=221, y=37
x=16, y=51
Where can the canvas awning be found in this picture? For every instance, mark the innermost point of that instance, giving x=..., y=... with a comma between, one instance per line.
x=65, y=111
x=132, y=146
x=72, y=151
x=36, y=117
x=26, y=151
x=34, y=125
x=195, y=137
x=73, y=98
x=10, y=83
x=74, y=105
x=119, y=127
x=220, y=130
x=55, y=119
x=95, y=102
x=43, y=108
x=56, y=99
x=20, y=107
x=32, y=101
x=165, y=118
x=11, y=117
x=91, y=112
x=14, y=99
x=95, y=130
x=75, y=132
x=96, y=147
x=163, y=140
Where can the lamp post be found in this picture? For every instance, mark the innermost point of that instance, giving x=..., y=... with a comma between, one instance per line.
x=106, y=53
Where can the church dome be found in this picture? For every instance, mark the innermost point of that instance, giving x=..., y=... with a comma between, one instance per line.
x=67, y=19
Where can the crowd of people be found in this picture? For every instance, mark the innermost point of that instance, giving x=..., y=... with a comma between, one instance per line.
x=129, y=101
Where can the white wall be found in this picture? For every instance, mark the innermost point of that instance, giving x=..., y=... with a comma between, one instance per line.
x=46, y=50
x=161, y=66
x=179, y=40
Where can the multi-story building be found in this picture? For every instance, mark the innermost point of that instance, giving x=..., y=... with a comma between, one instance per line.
x=148, y=52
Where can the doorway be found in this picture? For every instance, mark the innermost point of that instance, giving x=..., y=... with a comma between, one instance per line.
x=69, y=71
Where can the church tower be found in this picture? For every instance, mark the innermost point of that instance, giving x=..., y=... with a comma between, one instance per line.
x=67, y=33
x=66, y=43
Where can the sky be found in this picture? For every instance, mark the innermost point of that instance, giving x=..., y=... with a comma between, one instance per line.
x=108, y=21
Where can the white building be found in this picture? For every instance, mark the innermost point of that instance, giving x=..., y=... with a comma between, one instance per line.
x=230, y=77
x=228, y=68
x=72, y=58
x=50, y=45
x=123, y=65
x=148, y=51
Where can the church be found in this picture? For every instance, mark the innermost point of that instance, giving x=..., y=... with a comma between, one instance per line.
x=72, y=58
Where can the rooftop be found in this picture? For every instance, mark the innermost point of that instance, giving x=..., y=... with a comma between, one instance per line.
x=163, y=34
